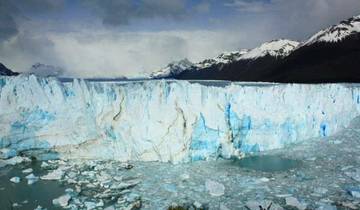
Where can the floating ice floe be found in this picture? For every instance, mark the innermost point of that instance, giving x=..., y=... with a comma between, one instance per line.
x=264, y=179
x=265, y=204
x=184, y=177
x=31, y=179
x=44, y=164
x=16, y=205
x=15, y=179
x=325, y=206
x=13, y=161
x=214, y=188
x=294, y=202
x=355, y=175
x=354, y=191
x=223, y=207
x=90, y=205
x=39, y=208
x=27, y=171
x=53, y=175
x=62, y=201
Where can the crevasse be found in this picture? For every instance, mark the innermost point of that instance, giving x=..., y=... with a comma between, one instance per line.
x=160, y=120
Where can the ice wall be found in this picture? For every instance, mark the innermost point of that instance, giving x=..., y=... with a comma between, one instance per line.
x=166, y=120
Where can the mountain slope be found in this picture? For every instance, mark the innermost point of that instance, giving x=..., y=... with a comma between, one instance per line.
x=4, y=71
x=331, y=55
x=320, y=62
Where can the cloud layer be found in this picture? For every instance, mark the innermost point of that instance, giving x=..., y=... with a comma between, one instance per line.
x=120, y=12
x=96, y=38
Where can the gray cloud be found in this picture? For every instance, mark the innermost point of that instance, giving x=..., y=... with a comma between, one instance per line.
x=295, y=19
x=203, y=7
x=26, y=48
x=14, y=11
x=248, y=5
x=121, y=12
x=8, y=26
x=39, y=6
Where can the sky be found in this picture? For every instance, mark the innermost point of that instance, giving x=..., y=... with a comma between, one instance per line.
x=132, y=38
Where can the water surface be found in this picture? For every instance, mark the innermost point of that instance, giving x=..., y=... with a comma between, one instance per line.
x=267, y=163
x=28, y=196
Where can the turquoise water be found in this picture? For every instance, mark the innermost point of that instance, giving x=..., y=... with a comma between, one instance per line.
x=267, y=163
x=40, y=193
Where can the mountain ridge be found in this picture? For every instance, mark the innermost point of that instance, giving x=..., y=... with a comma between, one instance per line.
x=331, y=55
x=276, y=48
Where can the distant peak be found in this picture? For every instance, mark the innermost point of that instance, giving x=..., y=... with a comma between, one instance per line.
x=173, y=68
x=45, y=70
x=184, y=62
x=229, y=56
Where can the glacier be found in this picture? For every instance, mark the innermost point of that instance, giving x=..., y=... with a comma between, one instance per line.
x=167, y=120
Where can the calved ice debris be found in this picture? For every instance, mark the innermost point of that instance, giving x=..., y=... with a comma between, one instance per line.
x=94, y=184
x=324, y=174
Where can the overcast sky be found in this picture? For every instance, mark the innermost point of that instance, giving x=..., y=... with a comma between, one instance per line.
x=108, y=38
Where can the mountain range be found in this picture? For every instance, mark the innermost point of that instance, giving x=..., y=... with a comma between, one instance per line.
x=44, y=70
x=331, y=55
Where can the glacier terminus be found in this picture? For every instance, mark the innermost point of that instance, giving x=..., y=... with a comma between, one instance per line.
x=166, y=120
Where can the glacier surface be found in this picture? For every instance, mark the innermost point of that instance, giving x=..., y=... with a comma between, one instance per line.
x=168, y=121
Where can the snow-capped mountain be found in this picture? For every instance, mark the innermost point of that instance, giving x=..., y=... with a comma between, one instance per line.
x=44, y=70
x=331, y=55
x=276, y=48
x=173, y=69
x=337, y=32
x=4, y=71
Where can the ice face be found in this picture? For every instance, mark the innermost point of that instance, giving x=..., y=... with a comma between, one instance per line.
x=173, y=121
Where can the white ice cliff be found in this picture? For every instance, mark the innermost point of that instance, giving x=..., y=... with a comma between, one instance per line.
x=162, y=120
